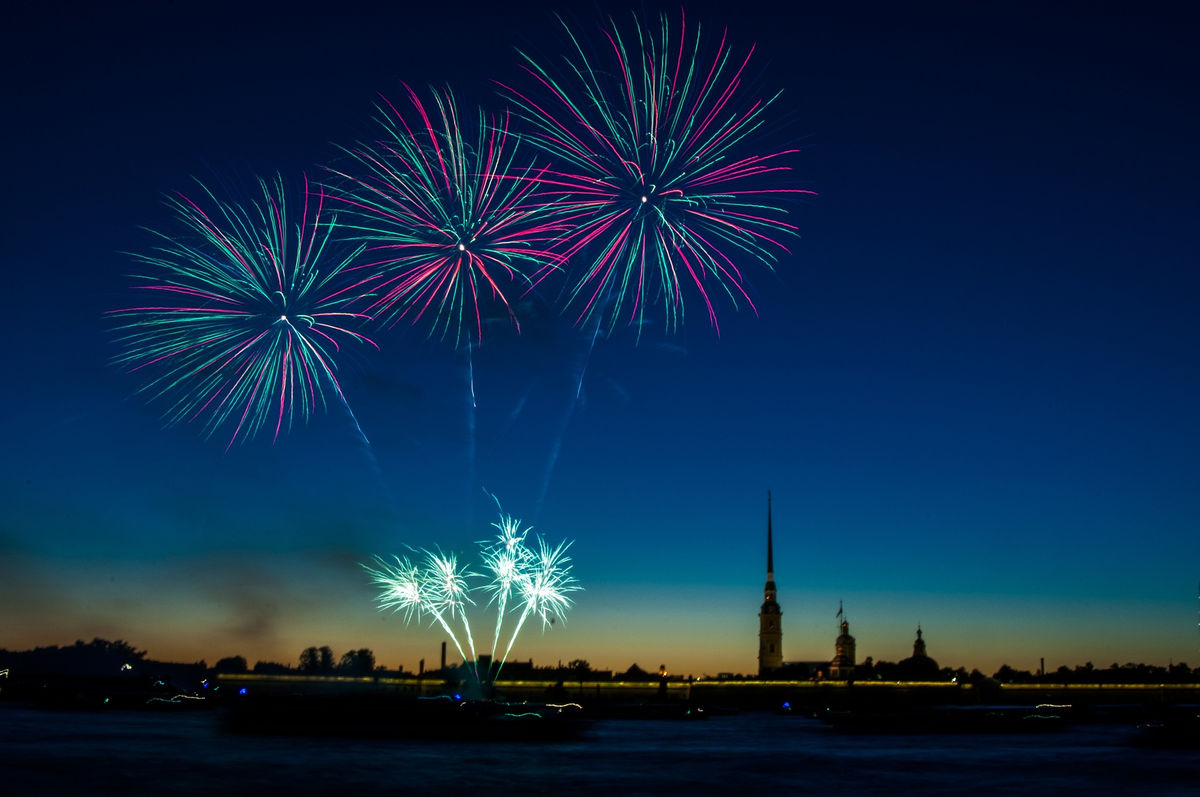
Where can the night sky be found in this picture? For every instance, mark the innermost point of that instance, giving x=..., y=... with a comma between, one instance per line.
x=971, y=387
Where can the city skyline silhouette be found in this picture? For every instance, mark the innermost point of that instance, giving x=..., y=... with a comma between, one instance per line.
x=969, y=382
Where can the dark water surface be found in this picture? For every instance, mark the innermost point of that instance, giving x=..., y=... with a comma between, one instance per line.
x=43, y=752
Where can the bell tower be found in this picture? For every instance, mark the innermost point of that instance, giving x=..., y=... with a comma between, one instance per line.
x=919, y=645
x=842, y=666
x=770, y=628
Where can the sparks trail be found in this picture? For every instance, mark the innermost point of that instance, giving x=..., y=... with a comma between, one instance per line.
x=367, y=449
x=572, y=402
x=472, y=409
x=251, y=312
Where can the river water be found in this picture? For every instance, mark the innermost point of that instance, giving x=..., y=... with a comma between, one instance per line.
x=750, y=754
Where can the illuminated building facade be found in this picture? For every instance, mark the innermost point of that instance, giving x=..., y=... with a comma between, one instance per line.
x=770, y=627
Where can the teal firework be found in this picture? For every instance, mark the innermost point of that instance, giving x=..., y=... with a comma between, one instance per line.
x=450, y=216
x=247, y=310
x=525, y=582
x=658, y=170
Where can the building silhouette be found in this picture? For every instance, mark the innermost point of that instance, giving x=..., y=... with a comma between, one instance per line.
x=842, y=666
x=919, y=666
x=770, y=625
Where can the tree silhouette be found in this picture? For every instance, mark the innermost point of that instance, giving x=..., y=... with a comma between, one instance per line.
x=1008, y=675
x=231, y=664
x=357, y=662
x=317, y=660
x=271, y=668
x=310, y=660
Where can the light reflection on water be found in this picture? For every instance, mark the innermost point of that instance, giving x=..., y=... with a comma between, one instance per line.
x=189, y=753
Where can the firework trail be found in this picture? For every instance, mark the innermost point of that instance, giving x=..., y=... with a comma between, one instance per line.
x=472, y=410
x=656, y=172
x=523, y=582
x=250, y=310
x=580, y=370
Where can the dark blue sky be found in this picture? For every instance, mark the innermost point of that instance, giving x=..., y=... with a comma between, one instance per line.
x=971, y=387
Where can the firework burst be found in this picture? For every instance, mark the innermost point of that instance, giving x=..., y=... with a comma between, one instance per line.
x=524, y=582
x=400, y=586
x=508, y=561
x=449, y=216
x=543, y=588
x=249, y=314
x=655, y=173
x=440, y=588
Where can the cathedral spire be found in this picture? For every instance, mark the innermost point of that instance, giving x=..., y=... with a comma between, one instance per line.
x=770, y=631
x=770, y=557
x=769, y=587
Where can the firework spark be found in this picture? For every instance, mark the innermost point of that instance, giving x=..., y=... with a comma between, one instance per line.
x=400, y=586
x=508, y=560
x=543, y=589
x=449, y=215
x=439, y=589
x=524, y=582
x=252, y=310
x=655, y=172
